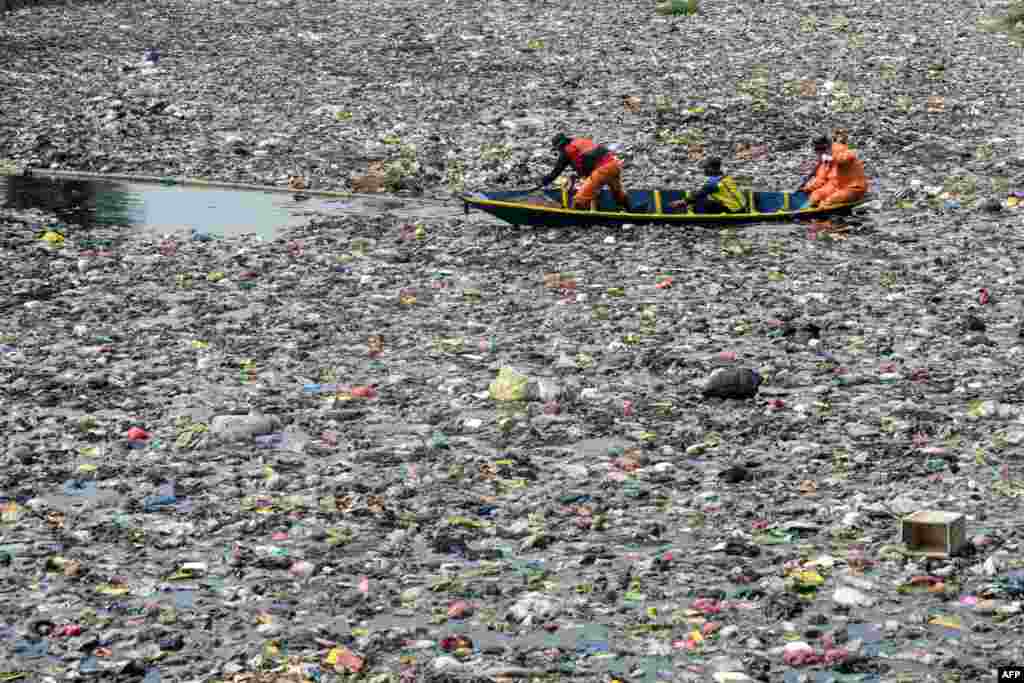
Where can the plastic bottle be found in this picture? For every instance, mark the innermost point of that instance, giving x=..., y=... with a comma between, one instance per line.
x=157, y=502
x=275, y=440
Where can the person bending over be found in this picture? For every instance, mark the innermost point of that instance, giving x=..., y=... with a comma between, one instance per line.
x=595, y=164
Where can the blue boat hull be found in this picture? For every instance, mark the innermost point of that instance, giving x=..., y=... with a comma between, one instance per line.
x=550, y=208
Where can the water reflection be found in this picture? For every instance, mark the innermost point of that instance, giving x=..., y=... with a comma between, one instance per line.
x=180, y=209
x=155, y=208
x=73, y=200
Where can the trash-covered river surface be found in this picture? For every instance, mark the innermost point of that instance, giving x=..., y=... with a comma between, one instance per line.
x=388, y=443
x=372, y=447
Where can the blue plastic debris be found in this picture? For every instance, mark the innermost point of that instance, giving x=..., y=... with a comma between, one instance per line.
x=275, y=440
x=155, y=503
x=184, y=599
x=31, y=649
x=163, y=498
x=869, y=634
x=80, y=488
x=320, y=388
x=1014, y=583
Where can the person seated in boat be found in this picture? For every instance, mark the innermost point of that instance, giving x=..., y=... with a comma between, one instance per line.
x=595, y=164
x=839, y=176
x=719, y=194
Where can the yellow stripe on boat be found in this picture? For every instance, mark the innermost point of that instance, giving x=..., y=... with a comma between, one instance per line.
x=685, y=217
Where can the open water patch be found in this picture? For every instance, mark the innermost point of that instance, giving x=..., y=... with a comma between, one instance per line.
x=181, y=208
x=156, y=208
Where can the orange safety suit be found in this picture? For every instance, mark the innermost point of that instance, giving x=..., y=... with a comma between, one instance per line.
x=838, y=181
x=598, y=170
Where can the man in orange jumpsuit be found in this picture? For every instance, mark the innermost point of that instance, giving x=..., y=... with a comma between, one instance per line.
x=839, y=177
x=595, y=164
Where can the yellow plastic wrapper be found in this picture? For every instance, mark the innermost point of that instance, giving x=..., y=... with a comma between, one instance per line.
x=54, y=238
x=9, y=512
x=450, y=344
x=948, y=622
x=809, y=578
x=509, y=386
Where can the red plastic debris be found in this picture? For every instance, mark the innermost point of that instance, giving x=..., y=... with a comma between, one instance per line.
x=455, y=643
x=364, y=392
x=137, y=434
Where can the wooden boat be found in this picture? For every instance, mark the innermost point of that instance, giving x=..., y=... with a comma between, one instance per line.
x=551, y=208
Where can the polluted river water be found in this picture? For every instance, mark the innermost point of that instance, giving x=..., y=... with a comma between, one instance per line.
x=181, y=208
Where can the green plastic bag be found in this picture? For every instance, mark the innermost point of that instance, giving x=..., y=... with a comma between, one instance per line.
x=509, y=386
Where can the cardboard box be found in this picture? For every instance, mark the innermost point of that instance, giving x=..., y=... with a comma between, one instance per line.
x=933, y=533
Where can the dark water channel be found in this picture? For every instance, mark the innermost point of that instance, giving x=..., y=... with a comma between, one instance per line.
x=179, y=209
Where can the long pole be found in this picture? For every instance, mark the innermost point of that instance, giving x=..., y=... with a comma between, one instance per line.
x=202, y=182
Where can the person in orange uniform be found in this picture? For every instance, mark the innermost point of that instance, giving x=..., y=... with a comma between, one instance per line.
x=839, y=176
x=595, y=164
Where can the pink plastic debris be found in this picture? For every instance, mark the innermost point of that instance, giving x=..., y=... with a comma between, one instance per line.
x=707, y=606
x=459, y=609
x=302, y=569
